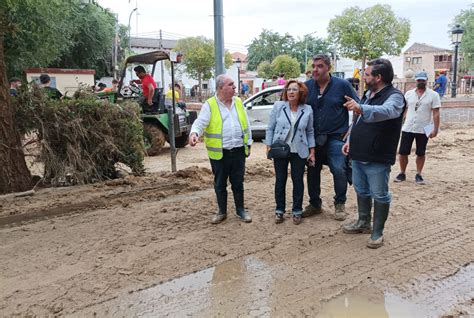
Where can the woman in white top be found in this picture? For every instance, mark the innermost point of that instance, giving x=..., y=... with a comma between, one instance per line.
x=291, y=122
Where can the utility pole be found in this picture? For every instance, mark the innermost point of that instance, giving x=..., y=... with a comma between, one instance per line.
x=162, y=65
x=219, y=37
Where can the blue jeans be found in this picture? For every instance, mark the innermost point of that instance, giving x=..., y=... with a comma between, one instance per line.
x=297, y=174
x=371, y=179
x=230, y=167
x=331, y=155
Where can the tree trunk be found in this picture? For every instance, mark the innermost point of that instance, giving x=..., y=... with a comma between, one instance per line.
x=362, y=76
x=200, y=87
x=14, y=174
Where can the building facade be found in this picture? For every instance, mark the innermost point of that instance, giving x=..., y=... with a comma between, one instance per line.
x=432, y=60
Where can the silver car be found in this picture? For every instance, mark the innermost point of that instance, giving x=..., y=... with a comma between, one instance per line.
x=259, y=107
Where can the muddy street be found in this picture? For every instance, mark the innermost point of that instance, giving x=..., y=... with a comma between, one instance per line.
x=144, y=247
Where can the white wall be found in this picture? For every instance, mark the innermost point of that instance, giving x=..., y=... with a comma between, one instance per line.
x=66, y=83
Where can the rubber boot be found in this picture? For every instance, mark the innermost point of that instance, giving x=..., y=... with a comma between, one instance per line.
x=239, y=207
x=222, y=203
x=364, y=207
x=381, y=211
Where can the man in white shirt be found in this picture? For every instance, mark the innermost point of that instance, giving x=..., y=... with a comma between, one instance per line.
x=225, y=126
x=422, y=116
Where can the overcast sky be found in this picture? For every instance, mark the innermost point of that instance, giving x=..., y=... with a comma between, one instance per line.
x=245, y=19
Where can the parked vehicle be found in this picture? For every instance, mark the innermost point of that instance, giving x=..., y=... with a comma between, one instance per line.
x=155, y=118
x=259, y=107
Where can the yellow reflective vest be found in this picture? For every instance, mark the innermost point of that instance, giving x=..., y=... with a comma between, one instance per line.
x=213, y=132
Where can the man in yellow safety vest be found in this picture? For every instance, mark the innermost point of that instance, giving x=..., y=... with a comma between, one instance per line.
x=225, y=126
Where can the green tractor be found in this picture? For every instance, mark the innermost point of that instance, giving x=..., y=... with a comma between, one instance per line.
x=158, y=128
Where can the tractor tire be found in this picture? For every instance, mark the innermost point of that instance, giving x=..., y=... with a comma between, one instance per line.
x=154, y=139
x=181, y=142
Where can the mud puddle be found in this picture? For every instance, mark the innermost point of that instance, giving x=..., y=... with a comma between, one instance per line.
x=216, y=291
x=427, y=298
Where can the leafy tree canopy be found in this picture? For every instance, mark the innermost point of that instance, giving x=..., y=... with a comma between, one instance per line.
x=265, y=70
x=199, y=55
x=369, y=33
x=268, y=46
x=284, y=64
x=59, y=33
x=466, y=20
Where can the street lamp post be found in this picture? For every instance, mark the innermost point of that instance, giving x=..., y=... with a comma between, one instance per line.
x=129, y=38
x=306, y=49
x=238, y=63
x=456, y=34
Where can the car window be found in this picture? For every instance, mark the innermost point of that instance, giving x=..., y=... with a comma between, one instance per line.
x=268, y=98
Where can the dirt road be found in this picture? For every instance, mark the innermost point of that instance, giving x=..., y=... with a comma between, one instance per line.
x=144, y=247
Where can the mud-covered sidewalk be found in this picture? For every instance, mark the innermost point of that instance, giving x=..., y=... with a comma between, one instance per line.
x=145, y=247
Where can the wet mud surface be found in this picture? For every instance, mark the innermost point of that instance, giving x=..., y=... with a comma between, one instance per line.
x=144, y=247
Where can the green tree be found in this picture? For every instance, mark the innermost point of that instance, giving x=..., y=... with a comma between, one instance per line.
x=305, y=48
x=38, y=33
x=466, y=20
x=363, y=34
x=198, y=59
x=93, y=32
x=265, y=70
x=284, y=64
x=268, y=46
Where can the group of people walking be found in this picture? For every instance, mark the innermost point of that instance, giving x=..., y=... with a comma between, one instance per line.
x=310, y=128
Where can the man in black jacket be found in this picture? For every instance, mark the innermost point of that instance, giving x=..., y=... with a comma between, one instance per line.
x=373, y=146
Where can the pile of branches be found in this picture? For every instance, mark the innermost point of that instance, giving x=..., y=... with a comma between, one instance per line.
x=81, y=139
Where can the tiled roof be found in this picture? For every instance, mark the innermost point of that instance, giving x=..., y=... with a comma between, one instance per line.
x=152, y=43
x=424, y=48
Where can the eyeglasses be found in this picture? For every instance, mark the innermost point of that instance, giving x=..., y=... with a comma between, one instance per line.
x=292, y=89
x=417, y=105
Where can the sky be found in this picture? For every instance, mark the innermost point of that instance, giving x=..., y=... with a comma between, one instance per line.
x=245, y=19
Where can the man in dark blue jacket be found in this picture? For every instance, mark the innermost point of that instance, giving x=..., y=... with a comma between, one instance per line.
x=331, y=121
x=373, y=147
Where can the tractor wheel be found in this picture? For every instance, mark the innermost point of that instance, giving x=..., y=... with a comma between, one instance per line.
x=154, y=139
x=181, y=142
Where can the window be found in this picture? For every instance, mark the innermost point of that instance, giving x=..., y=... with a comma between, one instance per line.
x=416, y=60
x=268, y=98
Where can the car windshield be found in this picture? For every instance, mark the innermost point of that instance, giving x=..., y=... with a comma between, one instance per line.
x=267, y=98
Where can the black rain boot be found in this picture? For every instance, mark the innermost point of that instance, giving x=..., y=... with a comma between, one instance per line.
x=239, y=207
x=380, y=216
x=364, y=207
x=222, y=203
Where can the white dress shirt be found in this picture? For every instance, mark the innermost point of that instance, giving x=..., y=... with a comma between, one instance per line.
x=420, y=116
x=232, y=135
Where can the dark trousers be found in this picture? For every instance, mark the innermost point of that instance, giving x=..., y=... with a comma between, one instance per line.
x=232, y=167
x=297, y=174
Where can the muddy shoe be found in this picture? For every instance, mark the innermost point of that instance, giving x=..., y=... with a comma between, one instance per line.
x=244, y=216
x=279, y=218
x=218, y=218
x=311, y=210
x=340, y=212
x=357, y=227
x=375, y=243
x=296, y=219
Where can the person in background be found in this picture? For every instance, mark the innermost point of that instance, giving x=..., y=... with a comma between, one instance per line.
x=15, y=83
x=224, y=123
x=177, y=89
x=111, y=89
x=45, y=83
x=308, y=75
x=281, y=80
x=372, y=144
x=423, y=106
x=264, y=84
x=440, y=84
x=291, y=122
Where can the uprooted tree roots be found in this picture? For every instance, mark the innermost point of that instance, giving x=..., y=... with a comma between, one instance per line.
x=81, y=139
